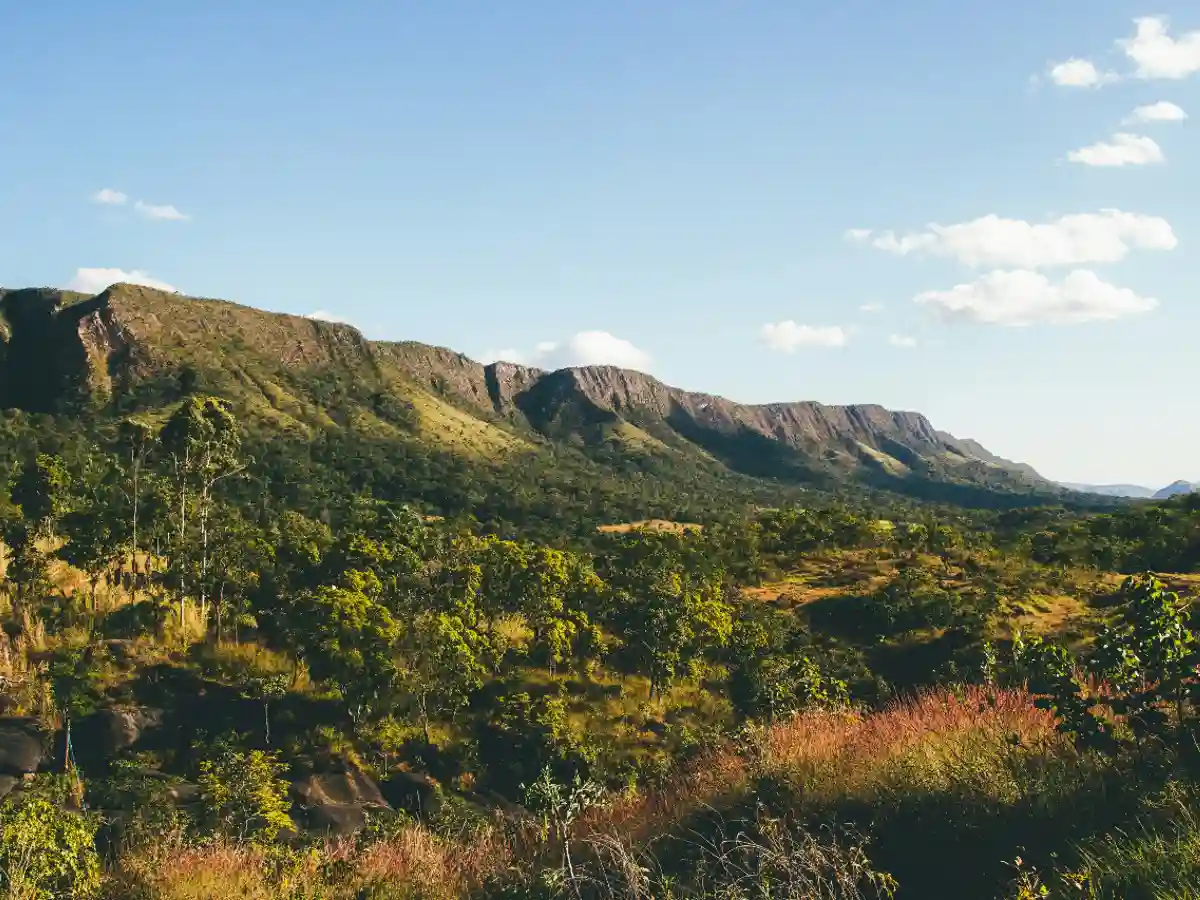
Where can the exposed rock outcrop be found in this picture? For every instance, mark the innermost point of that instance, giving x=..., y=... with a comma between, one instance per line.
x=22, y=746
x=297, y=372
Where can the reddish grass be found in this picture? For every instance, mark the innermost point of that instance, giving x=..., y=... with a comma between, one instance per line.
x=934, y=741
x=835, y=753
x=435, y=867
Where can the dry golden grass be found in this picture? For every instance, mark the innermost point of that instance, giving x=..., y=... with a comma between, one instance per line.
x=835, y=754
x=415, y=863
x=649, y=525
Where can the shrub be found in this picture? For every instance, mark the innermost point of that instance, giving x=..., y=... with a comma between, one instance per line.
x=46, y=852
x=244, y=796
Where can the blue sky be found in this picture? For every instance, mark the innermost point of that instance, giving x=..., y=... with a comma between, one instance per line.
x=712, y=191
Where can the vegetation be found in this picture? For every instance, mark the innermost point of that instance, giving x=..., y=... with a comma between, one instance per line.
x=231, y=666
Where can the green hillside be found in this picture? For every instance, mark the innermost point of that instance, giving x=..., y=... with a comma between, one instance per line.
x=329, y=413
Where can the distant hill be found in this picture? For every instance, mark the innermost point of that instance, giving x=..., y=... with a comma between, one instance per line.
x=1175, y=488
x=133, y=348
x=1135, y=491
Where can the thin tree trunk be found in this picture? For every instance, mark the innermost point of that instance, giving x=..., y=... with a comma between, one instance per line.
x=137, y=463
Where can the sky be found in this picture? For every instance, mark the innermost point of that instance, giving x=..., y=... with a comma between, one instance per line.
x=985, y=212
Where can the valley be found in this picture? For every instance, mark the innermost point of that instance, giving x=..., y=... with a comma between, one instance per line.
x=293, y=614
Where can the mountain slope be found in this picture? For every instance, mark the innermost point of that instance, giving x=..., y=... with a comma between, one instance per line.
x=1134, y=491
x=134, y=348
x=1175, y=488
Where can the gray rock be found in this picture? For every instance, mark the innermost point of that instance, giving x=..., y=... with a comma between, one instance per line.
x=338, y=802
x=106, y=733
x=414, y=793
x=7, y=783
x=22, y=745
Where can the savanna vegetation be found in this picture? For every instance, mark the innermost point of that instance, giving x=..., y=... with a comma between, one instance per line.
x=232, y=667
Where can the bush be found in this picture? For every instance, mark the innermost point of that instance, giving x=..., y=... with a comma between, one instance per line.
x=244, y=796
x=46, y=852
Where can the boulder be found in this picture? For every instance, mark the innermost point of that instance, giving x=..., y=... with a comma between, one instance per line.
x=7, y=783
x=106, y=733
x=338, y=802
x=414, y=793
x=22, y=745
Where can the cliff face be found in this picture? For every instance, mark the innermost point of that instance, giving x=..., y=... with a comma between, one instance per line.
x=134, y=344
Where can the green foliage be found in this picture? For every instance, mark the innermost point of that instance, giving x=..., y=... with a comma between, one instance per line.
x=1148, y=661
x=244, y=794
x=347, y=636
x=667, y=614
x=42, y=490
x=46, y=852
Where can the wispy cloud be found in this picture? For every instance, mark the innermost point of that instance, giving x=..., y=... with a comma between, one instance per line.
x=1081, y=73
x=871, y=307
x=1122, y=149
x=93, y=281
x=322, y=315
x=1162, y=111
x=585, y=348
x=109, y=197
x=1103, y=237
x=903, y=341
x=1023, y=297
x=789, y=336
x=1158, y=55
x=162, y=212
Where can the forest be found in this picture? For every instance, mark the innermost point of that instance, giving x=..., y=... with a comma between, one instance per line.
x=238, y=667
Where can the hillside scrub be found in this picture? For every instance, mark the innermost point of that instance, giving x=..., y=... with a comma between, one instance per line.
x=219, y=694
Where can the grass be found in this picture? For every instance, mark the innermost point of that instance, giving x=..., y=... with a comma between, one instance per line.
x=648, y=525
x=940, y=790
x=460, y=431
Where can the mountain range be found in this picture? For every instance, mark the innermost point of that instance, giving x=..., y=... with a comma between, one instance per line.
x=133, y=348
x=1134, y=491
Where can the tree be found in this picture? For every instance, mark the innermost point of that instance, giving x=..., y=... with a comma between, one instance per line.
x=204, y=444
x=349, y=638
x=560, y=805
x=93, y=543
x=136, y=439
x=73, y=674
x=244, y=794
x=42, y=491
x=441, y=667
x=668, y=615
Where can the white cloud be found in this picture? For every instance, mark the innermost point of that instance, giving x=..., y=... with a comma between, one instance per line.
x=586, y=348
x=1157, y=54
x=858, y=234
x=1076, y=72
x=1023, y=297
x=322, y=315
x=871, y=307
x=165, y=212
x=788, y=336
x=109, y=197
x=1122, y=149
x=903, y=341
x=1162, y=111
x=1103, y=237
x=93, y=281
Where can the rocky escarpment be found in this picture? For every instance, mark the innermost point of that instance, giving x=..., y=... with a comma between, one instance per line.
x=44, y=347
x=836, y=437
x=141, y=346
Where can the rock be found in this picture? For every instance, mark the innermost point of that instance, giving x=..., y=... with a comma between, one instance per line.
x=183, y=793
x=338, y=802
x=655, y=727
x=120, y=649
x=414, y=793
x=22, y=745
x=106, y=733
x=7, y=783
